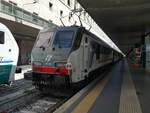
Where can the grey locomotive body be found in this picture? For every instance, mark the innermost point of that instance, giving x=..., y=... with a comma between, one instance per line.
x=67, y=55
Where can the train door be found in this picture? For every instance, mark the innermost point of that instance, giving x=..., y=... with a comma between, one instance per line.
x=86, y=55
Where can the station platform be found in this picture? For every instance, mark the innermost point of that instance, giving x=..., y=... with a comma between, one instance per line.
x=123, y=90
x=24, y=68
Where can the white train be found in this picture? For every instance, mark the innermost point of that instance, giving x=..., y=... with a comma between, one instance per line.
x=9, y=52
x=67, y=55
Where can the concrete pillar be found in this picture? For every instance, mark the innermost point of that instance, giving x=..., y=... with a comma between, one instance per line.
x=25, y=47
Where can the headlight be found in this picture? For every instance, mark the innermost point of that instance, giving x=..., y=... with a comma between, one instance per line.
x=69, y=66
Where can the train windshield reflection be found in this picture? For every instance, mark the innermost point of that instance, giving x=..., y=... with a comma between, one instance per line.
x=44, y=39
x=63, y=39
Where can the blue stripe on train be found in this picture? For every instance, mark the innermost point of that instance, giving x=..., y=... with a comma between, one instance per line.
x=10, y=61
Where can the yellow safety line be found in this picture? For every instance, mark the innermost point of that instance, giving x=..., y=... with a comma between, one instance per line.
x=87, y=102
x=129, y=102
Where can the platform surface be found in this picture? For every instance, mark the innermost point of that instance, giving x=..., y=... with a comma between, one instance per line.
x=124, y=90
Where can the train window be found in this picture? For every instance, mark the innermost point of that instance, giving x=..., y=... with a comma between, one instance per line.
x=44, y=39
x=97, y=52
x=86, y=40
x=97, y=56
x=63, y=39
x=2, y=40
x=104, y=50
x=78, y=39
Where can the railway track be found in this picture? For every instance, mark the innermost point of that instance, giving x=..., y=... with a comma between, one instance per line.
x=29, y=101
x=41, y=105
x=18, y=85
x=22, y=97
x=9, y=102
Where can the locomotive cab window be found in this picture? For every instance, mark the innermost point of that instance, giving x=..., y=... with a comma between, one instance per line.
x=2, y=39
x=77, y=40
x=44, y=39
x=63, y=39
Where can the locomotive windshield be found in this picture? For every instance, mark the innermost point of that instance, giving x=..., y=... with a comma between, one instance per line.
x=44, y=39
x=63, y=39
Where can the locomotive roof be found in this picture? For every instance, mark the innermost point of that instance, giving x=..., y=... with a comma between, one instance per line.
x=80, y=28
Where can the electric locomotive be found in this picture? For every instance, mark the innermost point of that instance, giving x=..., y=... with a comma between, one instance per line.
x=66, y=55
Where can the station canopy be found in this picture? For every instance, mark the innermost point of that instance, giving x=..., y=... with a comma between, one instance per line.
x=126, y=22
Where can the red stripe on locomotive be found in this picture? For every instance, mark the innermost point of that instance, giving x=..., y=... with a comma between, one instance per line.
x=50, y=70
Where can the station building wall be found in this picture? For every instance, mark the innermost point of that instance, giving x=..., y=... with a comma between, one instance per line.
x=53, y=10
